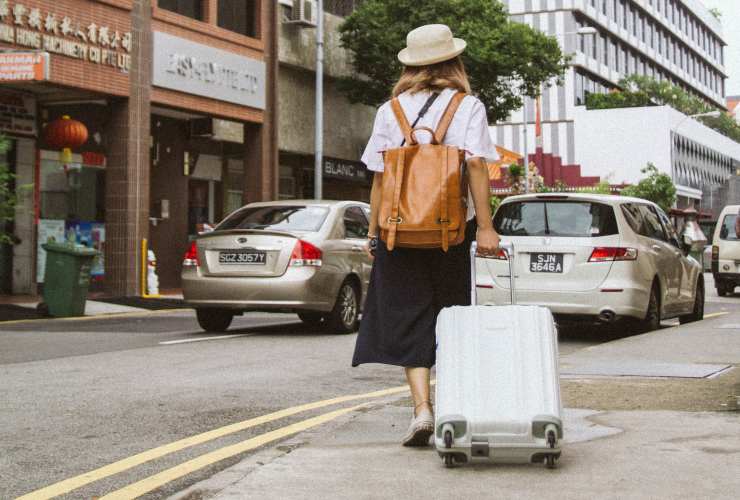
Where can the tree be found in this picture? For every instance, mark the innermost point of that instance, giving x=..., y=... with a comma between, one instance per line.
x=504, y=59
x=7, y=195
x=655, y=186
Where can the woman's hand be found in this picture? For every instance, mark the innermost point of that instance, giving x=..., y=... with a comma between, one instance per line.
x=488, y=241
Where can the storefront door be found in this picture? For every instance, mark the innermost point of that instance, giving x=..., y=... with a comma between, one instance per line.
x=7, y=164
x=201, y=206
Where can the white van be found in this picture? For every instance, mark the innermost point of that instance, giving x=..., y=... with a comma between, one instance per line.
x=726, y=251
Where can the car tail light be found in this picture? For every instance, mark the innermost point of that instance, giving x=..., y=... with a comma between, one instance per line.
x=191, y=257
x=715, y=252
x=305, y=254
x=610, y=254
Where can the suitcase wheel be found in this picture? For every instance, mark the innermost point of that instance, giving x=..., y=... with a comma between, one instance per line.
x=448, y=439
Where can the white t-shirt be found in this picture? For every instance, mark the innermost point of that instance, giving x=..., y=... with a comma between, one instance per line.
x=468, y=130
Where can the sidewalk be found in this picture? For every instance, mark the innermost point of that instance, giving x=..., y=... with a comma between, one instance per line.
x=657, y=418
x=23, y=307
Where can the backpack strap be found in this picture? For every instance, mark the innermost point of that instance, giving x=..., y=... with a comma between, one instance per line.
x=403, y=122
x=444, y=217
x=449, y=114
x=394, y=220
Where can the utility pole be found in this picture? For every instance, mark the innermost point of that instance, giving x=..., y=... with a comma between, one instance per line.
x=526, y=148
x=319, y=135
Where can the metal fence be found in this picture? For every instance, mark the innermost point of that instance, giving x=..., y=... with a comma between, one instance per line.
x=341, y=8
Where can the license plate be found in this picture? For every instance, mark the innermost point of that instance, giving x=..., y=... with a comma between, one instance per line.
x=546, y=262
x=249, y=257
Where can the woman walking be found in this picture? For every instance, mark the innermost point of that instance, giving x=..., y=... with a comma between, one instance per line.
x=409, y=286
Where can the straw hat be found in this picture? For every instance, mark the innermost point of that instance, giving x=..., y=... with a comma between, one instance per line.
x=430, y=44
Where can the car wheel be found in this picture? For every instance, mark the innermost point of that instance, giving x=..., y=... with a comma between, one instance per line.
x=652, y=316
x=312, y=319
x=214, y=320
x=344, y=317
x=698, y=313
x=721, y=289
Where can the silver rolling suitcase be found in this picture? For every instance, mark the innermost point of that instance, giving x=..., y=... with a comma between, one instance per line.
x=498, y=390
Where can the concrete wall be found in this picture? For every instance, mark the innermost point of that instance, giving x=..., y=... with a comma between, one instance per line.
x=346, y=126
x=616, y=143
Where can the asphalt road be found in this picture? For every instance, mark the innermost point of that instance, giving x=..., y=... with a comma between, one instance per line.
x=75, y=396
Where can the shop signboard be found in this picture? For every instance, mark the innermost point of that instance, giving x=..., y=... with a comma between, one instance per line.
x=58, y=32
x=347, y=170
x=198, y=69
x=48, y=230
x=24, y=66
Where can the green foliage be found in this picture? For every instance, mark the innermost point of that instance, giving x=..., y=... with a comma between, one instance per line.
x=515, y=170
x=495, y=202
x=7, y=195
x=646, y=91
x=504, y=59
x=656, y=187
x=618, y=100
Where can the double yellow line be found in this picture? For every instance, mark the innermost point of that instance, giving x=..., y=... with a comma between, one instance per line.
x=153, y=482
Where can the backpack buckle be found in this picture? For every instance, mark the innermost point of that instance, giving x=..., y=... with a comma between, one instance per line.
x=395, y=220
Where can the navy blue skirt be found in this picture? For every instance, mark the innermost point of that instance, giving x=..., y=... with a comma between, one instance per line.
x=408, y=288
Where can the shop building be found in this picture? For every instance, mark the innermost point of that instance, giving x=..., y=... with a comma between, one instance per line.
x=179, y=114
x=347, y=126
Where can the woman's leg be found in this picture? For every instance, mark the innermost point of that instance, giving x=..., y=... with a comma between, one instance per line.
x=418, y=379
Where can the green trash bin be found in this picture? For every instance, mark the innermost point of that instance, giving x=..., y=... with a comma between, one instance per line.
x=66, y=279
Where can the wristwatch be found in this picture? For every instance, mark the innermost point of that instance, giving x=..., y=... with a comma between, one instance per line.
x=373, y=243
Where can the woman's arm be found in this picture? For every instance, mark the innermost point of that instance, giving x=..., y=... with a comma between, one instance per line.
x=375, y=204
x=488, y=240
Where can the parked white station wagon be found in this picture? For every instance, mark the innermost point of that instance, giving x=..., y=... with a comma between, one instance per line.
x=594, y=257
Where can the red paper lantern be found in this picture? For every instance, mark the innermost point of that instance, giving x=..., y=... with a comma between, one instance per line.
x=66, y=134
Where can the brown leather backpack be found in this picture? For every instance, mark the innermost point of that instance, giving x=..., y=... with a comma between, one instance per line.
x=423, y=195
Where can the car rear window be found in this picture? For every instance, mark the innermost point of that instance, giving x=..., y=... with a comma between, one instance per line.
x=280, y=218
x=579, y=219
x=727, y=231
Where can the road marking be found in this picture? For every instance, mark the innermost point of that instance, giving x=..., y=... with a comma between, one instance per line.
x=150, y=483
x=715, y=315
x=143, y=312
x=73, y=483
x=202, y=339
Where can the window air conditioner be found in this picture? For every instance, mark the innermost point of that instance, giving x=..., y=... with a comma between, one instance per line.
x=303, y=13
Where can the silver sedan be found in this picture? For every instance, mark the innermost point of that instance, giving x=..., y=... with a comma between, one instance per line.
x=301, y=256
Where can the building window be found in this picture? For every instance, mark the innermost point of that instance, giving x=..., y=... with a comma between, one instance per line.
x=341, y=8
x=239, y=16
x=189, y=8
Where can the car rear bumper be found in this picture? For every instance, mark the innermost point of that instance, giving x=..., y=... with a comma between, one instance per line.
x=621, y=301
x=727, y=276
x=304, y=288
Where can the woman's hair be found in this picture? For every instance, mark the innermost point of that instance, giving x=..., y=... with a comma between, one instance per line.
x=434, y=77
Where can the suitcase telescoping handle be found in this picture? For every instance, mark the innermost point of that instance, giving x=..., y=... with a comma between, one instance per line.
x=506, y=247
